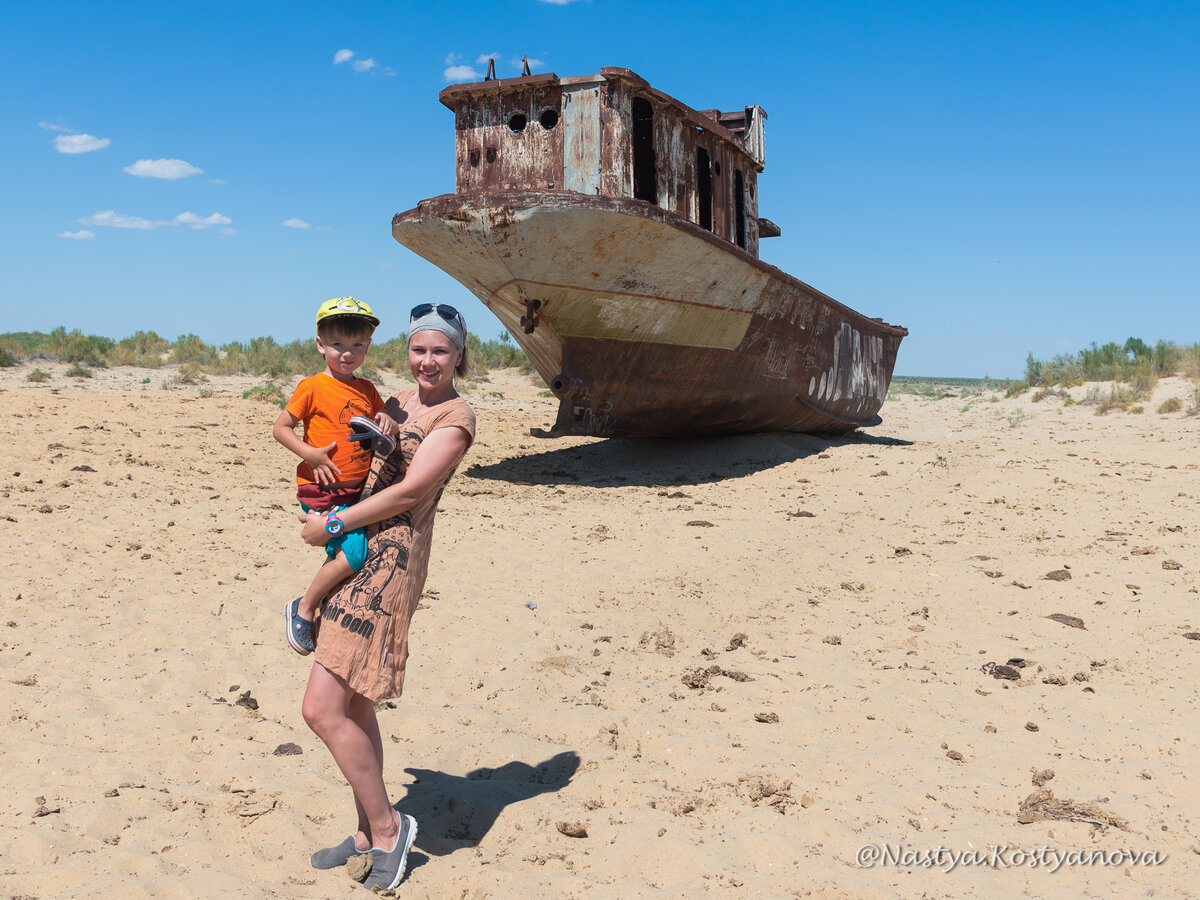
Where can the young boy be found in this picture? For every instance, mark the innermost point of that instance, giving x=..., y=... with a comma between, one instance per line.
x=332, y=468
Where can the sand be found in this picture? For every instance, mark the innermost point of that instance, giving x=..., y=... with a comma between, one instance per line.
x=641, y=669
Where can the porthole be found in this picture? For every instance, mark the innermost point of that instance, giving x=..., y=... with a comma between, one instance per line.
x=548, y=118
x=717, y=167
x=474, y=158
x=517, y=123
x=491, y=154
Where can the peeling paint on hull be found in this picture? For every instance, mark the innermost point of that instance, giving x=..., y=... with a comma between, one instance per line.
x=646, y=325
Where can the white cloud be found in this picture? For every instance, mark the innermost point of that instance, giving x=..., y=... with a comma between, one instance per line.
x=50, y=126
x=166, y=169
x=361, y=65
x=295, y=223
x=107, y=218
x=194, y=221
x=82, y=235
x=79, y=143
x=482, y=58
x=461, y=73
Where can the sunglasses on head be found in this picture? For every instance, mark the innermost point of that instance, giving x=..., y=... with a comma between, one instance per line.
x=445, y=310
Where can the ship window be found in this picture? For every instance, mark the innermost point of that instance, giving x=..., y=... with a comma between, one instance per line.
x=717, y=167
x=645, y=174
x=548, y=118
x=474, y=158
x=491, y=154
x=739, y=199
x=517, y=123
x=703, y=189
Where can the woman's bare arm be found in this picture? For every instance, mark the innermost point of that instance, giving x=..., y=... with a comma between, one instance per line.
x=438, y=454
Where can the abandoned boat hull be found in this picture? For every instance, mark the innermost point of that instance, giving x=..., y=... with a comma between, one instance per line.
x=644, y=324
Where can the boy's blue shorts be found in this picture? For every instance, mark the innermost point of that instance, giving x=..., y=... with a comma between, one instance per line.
x=353, y=544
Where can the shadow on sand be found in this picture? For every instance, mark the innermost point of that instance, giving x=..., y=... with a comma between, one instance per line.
x=456, y=811
x=619, y=462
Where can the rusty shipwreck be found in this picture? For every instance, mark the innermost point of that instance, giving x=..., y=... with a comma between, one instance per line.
x=614, y=232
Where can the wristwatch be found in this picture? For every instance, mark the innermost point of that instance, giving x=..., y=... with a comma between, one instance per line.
x=333, y=525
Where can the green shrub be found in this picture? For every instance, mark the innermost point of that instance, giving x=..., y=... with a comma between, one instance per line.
x=263, y=356
x=1142, y=380
x=7, y=360
x=268, y=392
x=391, y=354
x=23, y=343
x=37, y=375
x=188, y=348
x=78, y=371
x=145, y=349
x=498, y=353
x=1119, y=397
x=76, y=347
x=1190, y=362
x=1173, y=405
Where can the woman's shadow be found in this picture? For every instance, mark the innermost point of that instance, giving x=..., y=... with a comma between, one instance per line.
x=456, y=811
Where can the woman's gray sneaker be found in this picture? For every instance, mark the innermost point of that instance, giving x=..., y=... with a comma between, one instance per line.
x=387, y=867
x=332, y=857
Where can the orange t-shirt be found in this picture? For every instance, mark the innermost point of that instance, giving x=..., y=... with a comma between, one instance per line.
x=325, y=406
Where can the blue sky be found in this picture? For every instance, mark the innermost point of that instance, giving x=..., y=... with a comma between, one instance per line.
x=1000, y=178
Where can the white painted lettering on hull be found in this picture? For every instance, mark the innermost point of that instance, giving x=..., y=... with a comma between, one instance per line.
x=856, y=373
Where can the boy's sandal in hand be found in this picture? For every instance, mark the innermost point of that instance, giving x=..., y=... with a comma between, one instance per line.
x=366, y=429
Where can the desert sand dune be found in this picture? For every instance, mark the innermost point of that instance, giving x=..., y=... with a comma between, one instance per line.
x=640, y=669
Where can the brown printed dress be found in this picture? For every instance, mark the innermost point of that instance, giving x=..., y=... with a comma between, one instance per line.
x=363, y=631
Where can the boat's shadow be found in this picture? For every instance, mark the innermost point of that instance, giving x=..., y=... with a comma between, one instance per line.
x=618, y=462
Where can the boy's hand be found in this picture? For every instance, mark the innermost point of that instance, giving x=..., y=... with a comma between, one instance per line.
x=322, y=465
x=387, y=423
x=313, y=531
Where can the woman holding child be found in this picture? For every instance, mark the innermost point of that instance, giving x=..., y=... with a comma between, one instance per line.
x=362, y=635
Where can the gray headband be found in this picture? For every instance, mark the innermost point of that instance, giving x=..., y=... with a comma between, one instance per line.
x=431, y=321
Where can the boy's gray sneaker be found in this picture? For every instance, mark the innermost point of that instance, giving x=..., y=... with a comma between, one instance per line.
x=299, y=631
x=332, y=857
x=387, y=867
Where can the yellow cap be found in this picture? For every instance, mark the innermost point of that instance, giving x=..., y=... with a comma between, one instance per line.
x=346, y=306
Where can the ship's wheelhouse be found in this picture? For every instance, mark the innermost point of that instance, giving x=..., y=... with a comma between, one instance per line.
x=612, y=135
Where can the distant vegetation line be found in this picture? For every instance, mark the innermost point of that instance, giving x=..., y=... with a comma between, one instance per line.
x=1133, y=368
x=261, y=356
x=1129, y=362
